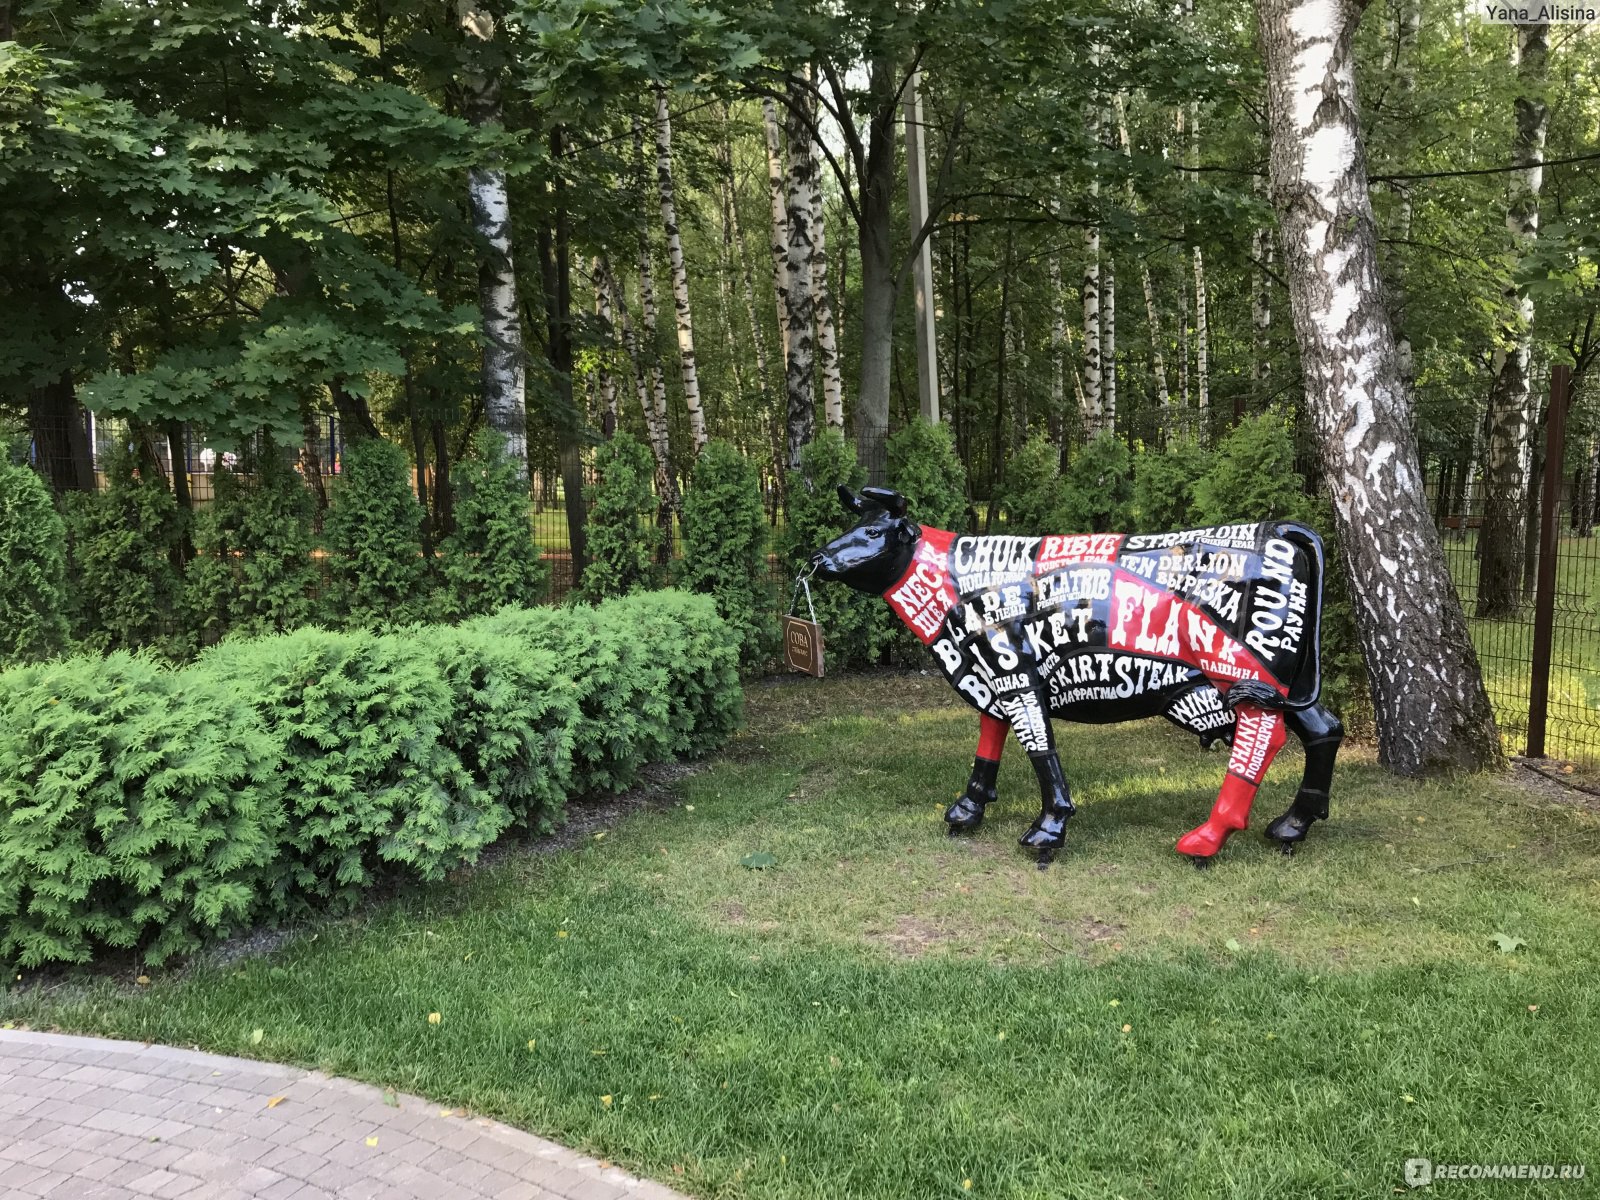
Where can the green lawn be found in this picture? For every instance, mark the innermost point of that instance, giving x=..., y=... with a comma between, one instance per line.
x=891, y=1013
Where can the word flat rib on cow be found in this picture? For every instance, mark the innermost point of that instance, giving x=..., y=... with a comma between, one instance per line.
x=1216, y=629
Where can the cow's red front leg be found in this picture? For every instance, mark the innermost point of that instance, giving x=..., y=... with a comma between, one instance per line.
x=966, y=813
x=1258, y=735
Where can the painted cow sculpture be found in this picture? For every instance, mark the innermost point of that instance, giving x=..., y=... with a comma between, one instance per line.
x=1215, y=629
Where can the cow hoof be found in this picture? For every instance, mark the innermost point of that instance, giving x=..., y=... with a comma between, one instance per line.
x=1288, y=829
x=964, y=815
x=1039, y=837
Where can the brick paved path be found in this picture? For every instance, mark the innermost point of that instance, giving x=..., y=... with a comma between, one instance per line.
x=89, y=1119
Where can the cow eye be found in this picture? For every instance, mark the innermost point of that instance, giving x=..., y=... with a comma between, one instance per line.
x=874, y=531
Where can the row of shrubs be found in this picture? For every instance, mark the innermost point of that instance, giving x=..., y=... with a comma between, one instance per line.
x=149, y=807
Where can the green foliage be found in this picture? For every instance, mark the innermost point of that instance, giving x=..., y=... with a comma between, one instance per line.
x=489, y=559
x=371, y=786
x=622, y=535
x=1097, y=488
x=253, y=572
x=1252, y=476
x=1030, y=493
x=725, y=547
x=376, y=571
x=923, y=468
x=510, y=722
x=141, y=809
x=33, y=599
x=123, y=542
x=1164, y=486
x=696, y=662
x=856, y=628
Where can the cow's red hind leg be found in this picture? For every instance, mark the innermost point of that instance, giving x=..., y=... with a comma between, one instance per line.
x=966, y=813
x=1258, y=735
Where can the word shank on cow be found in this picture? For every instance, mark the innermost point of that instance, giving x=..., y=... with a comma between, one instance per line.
x=1215, y=629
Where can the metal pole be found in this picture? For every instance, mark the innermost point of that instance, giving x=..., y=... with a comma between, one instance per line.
x=922, y=271
x=1544, y=596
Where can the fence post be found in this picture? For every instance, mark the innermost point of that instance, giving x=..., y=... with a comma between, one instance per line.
x=1544, y=596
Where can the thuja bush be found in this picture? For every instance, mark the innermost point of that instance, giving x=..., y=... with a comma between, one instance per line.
x=695, y=663
x=510, y=722
x=623, y=710
x=122, y=545
x=1164, y=483
x=1030, y=492
x=33, y=596
x=1096, y=489
x=489, y=559
x=253, y=572
x=725, y=547
x=376, y=573
x=372, y=787
x=141, y=809
x=856, y=628
x=924, y=468
x=622, y=535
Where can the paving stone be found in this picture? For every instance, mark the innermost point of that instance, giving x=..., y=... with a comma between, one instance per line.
x=93, y=1119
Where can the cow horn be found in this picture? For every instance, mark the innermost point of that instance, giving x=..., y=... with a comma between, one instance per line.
x=891, y=501
x=851, y=502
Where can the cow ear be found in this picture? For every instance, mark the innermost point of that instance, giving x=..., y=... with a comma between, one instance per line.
x=850, y=501
x=890, y=500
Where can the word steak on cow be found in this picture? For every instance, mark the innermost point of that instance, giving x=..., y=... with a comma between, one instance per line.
x=1215, y=629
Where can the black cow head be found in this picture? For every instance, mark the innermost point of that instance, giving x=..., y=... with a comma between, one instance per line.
x=875, y=553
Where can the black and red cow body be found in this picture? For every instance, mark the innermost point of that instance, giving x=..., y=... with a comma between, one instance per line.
x=1215, y=629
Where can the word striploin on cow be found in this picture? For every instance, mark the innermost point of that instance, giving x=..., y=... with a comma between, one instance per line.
x=1215, y=629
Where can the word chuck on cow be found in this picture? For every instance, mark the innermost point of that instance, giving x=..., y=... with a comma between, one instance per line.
x=1215, y=629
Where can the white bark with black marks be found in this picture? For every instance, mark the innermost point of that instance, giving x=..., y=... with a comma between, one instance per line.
x=657, y=423
x=1508, y=448
x=821, y=294
x=777, y=185
x=680, y=276
x=1428, y=696
x=503, y=373
x=799, y=375
x=606, y=381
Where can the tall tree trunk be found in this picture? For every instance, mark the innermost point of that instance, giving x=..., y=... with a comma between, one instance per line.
x=1407, y=19
x=680, y=276
x=606, y=380
x=1058, y=338
x=879, y=285
x=1202, y=346
x=1261, y=248
x=1428, y=696
x=827, y=339
x=1158, y=361
x=1507, y=450
x=60, y=436
x=1093, y=335
x=799, y=382
x=656, y=422
x=1108, y=358
x=777, y=176
x=504, y=384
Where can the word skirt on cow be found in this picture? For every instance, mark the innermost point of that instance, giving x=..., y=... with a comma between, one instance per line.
x=1215, y=629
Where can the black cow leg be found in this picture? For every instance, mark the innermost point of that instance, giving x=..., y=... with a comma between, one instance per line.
x=966, y=814
x=1321, y=733
x=1049, y=829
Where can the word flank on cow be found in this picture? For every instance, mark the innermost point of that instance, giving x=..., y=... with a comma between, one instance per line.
x=1215, y=629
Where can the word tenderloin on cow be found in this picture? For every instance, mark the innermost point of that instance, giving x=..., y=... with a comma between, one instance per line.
x=1215, y=629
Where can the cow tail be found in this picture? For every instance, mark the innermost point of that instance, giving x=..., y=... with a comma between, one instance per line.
x=1306, y=685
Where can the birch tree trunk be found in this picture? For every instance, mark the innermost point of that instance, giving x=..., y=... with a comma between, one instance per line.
x=1262, y=245
x=1158, y=362
x=503, y=370
x=656, y=419
x=680, y=276
x=1202, y=334
x=1428, y=697
x=799, y=374
x=604, y=379
x=827, y=341
x=772, y=416
x=779, y=247
x=1058, y=341
x=1508, y=445
x=1108, y=359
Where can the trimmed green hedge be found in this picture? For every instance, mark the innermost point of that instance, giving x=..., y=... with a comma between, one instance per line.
x=150, y=808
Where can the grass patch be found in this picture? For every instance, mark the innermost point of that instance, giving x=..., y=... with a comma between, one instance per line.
x=890, y=1013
